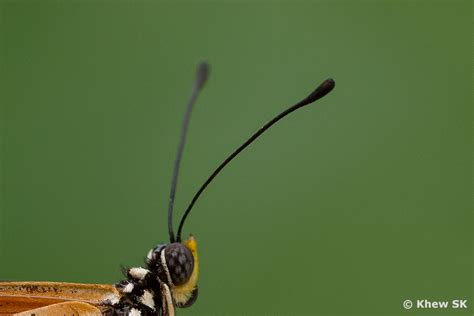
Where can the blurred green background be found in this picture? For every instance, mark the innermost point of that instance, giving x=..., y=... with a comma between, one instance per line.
x=347, y=207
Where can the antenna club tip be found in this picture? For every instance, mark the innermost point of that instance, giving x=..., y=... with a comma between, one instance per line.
x=324, y=88
x=330, y=82
x=202, y=74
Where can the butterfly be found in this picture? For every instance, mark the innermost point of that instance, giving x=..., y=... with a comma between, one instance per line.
x=170, y=274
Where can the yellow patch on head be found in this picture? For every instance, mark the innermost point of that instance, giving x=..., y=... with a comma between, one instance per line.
x=182, y=293
x=191, y=244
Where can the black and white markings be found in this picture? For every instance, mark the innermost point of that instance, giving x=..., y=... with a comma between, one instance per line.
x=146, y=291
x=147, y=299
x=135, y=312
x=137, y=273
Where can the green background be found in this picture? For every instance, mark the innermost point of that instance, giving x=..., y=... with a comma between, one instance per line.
x=347, y=207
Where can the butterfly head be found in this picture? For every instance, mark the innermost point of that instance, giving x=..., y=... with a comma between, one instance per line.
x=177, y=265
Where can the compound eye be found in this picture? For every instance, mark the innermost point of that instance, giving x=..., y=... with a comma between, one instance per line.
x=180, y=263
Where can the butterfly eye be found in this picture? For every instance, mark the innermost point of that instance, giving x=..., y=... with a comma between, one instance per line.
x=180, y=263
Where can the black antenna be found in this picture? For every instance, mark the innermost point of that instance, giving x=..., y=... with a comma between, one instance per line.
x=323, y=89
x=201, y=77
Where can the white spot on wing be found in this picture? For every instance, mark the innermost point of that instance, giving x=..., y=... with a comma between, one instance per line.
x=138, y=273
x=147, y=299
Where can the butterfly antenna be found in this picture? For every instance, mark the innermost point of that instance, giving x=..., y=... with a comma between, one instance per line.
x=201, y=77
x=323, y=89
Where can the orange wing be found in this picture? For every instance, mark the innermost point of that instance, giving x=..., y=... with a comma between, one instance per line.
x=54, y=298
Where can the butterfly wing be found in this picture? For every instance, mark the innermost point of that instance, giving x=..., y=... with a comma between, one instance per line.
x=67, y=308
x=48, y=298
